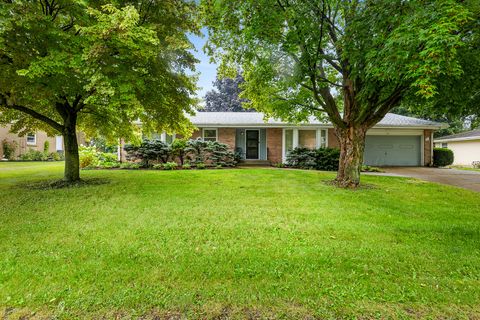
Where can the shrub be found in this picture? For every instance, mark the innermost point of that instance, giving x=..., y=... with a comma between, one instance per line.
x=442, y=157
x=129, y=165
x=187, y=166
x=170, y=166
x=178, y=149
x=197, y=150
x=9, y=148
x=34, y=155
x=200, y=165
x=91, y=158
x=476, y=164
x=158, y=166
x=46, y=146
x=56, y=156
x=149, y=151
x=88, y=157
x=220, y=155
x=319, y=159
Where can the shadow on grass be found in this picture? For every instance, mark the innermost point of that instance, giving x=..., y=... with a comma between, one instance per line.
x=61, y=184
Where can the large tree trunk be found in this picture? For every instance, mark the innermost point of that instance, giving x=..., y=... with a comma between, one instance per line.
x=72, y=159
x=352, y=145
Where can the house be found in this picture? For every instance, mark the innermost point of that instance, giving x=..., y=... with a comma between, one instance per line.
x=465, y=146
x=34, y=140
x=395, y=141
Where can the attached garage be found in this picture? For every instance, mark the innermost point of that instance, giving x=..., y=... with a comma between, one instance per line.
x=393, y=150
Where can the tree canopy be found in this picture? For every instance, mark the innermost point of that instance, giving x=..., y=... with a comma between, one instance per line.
x=458, y=99
x=350, y=61
x=226, y=95
x=98, y=66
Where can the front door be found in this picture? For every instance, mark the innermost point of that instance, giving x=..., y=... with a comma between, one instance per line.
x=252, y=143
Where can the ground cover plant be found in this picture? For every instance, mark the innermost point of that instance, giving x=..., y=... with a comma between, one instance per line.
x=240, y=243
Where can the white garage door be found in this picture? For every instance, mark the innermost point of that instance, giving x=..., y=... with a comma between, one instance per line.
x=393, y=151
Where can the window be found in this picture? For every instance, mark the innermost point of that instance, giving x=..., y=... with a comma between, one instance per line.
x=307, y=139
x=31, y=139
x=210, y=134
x=444, y=145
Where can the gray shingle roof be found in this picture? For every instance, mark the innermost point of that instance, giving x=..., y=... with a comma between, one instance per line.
x=213, y=119
x=469, y=135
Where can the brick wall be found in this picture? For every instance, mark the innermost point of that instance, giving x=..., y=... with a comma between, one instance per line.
x=332, y=139
x=427, y=147
x=196, y=134
x=227, y=136
x=274, y=145
x=21, y=142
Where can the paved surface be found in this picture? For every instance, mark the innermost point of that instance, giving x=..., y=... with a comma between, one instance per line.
x=460, y=178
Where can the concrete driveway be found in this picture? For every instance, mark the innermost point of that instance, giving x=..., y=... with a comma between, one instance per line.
x=460, y=178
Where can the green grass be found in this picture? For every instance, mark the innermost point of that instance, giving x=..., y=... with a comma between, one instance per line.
x=236, y=244
x=466, y=168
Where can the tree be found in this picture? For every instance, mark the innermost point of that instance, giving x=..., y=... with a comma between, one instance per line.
x=96, y=67
x=458, y=100
x=226, y=97
x=350, y=61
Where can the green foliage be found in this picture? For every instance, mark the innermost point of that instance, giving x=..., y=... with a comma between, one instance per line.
x=186, y=166
x=200, y=165
x=348, y=61
x=197, y=150
x=170, y=166
x=476, y=164
x=97, y=66
x=90, y=157
x=178, y=149
x=156, y=151
x=158, y=166
x=9, y=148
x=442, y=157
x=149, y=151
x=46, y=146
x=219, y=154
x=318, y=159
x=34, y=155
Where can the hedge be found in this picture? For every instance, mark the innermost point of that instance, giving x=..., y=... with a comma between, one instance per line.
x=442, y=157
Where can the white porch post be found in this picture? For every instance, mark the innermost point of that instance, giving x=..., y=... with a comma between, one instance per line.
x=295, y=138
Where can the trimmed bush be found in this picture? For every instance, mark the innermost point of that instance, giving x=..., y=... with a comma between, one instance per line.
x=442, y=157
x=151, y=152
x=315, y=159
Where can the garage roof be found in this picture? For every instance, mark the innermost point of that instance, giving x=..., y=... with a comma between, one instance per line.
x=469, y=135
x=246, y=119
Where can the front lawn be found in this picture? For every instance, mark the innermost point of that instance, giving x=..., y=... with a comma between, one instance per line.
x=240, y=243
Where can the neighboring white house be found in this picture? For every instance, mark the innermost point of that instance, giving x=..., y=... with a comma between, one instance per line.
x=465, y=146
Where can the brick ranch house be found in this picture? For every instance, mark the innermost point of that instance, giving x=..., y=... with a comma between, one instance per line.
x=395, y=141
x=34, y=141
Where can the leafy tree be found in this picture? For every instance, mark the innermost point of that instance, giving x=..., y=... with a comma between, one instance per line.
x=458, y=100
x=350, y=61
x=226, y=97
x=96, y=67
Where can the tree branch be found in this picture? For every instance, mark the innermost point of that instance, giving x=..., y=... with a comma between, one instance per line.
x=57, y=126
